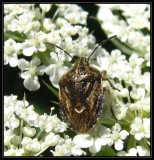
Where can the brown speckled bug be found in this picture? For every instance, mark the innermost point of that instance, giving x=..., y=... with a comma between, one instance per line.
x=82, y=94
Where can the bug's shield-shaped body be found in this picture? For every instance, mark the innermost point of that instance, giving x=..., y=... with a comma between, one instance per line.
x=81, y=96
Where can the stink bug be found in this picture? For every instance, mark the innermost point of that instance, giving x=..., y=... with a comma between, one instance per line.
x=82, y=94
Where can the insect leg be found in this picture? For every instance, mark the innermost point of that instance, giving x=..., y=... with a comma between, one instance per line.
x=110, y=97
x=105, y=77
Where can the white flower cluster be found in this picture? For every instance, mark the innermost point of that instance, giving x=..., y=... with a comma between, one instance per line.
x=131, y=105
x=26, y=133
x=133, y=152
x=101, y=137
x=131, y=23
x=27, y=32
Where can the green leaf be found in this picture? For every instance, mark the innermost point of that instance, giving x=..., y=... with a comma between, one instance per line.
x=107, y=120
x=45, y=57
x=131, y=142
x=15, y=35
x=143, y=143
x=54, y=91
x=106, y=151
x=124, y=124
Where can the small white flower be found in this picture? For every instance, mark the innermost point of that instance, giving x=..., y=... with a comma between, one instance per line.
x=143, y=106
x=29, y=73
x=32, y=118
x=13, y=123
x=96, y=145
x=53, y=37
x=8, y=135
x=120, y=110
x=57, y=124
x=67, y=148
x=135, y=61
x=48, y=25
x=116, y=56
x=50, y=123
x=138, y=22
x=14, y=151
x=142, y=151
x=83, y=140
x=105, y=14
x=28, y=131
x=11, y=52
x=140, y=128
x=32, y=45
x=123, y=92
x=131, y=152
x=55, y=71
x=24, y=22
x=45, y=7
x=104, y=137
x=115, y=135
x=138, y=93
x=32, y=145
x=52, y=139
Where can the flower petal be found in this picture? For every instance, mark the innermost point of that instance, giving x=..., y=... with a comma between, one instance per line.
x=42, y=47
x=29, y=51
x=13, y=61
x=118, y=145
x=32, y=83
x=35, y=61
x=123, y=134
x=116, y=127
x=23, y=64
x=83, y=140
x=142, y=151
x=139, y=136
x=96, y=146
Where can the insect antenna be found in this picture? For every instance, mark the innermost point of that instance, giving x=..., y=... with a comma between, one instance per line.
x=103, y=42
x=59, y=48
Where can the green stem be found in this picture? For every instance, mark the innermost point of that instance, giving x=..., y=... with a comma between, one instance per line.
x=39, y=134
x=21, y=126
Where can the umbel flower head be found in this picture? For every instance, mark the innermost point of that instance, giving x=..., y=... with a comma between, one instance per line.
x=26, y=133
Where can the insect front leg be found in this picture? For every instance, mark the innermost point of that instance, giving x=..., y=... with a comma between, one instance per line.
x=106, y=78
x=110, y=98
